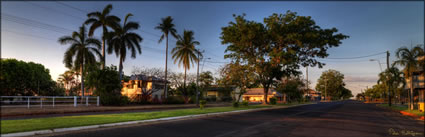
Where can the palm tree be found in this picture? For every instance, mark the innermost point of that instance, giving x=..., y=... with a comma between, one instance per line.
x=102, y=19
x=409, y=59
x=166, y=27
x=83, y=50
x=392, y=78
x=67, y=79
x=122, y=39
x=185, y=52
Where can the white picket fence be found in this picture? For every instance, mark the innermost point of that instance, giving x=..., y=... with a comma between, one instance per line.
x=48, y=101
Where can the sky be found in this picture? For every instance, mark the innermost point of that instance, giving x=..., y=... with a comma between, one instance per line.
x=30, y=31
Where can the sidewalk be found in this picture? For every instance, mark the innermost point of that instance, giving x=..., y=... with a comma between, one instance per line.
x=14, y=112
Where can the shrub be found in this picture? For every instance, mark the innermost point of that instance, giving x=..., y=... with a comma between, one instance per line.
x=174, y=100
x=202, y=104
x=273, y=100
x=245, y=103
x=235, y=104
x=211, y=99
x=113, y=100
x=107, y=85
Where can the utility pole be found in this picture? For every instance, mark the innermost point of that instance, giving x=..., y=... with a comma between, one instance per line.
x=326, y=85
x=389, y=84
x=197, y=79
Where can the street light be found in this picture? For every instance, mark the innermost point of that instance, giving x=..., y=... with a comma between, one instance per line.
x=378, y=63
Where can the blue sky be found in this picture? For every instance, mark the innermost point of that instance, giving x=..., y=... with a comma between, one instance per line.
x=373, y=27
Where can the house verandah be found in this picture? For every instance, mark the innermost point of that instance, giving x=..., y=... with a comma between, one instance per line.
x=144, y=86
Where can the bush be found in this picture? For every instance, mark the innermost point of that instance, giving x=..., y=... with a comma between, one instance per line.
x=235, y=104
x=211, y=99
x=202, y=104
x=273, y=100
x=113, y=100
x=226, y=99
x=174, y=100
x=245, y=103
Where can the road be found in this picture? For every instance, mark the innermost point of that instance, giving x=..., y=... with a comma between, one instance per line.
x=334, y=119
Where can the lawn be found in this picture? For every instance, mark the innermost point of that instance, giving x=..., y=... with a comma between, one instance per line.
x=12, y=126
x=403, y=108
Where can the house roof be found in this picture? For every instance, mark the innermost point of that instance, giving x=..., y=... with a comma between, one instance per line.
x=260, y=91
x=146, y=78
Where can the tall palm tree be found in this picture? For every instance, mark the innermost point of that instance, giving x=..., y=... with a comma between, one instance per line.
x=409, y=59
x=102, y=19
x=122, y=39
x=83, y=50
x=166, y=27
x=185, y=52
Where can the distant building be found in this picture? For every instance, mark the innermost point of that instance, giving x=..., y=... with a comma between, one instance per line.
x=133, y=88
x=256, y=95
x=418, y=85
x=313, y=95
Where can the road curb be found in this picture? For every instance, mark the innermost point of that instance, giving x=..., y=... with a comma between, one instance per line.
x=59, y=130
x=404, y=113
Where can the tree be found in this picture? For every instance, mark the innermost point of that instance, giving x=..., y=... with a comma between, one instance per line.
x=333, y=82
x=185, y=52
x=408, y=58
x=19, y=78
x=102, y=19
x=122, y=39
x=278, y=47
x=206, y=79
x=291, y=87
x=391, y=78
x=238, y=75
x=83, y=51
x=106, y=84
x=68, y=80
x=167, y=27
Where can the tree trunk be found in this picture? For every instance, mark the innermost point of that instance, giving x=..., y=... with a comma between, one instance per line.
x=82, y=80
x=266, y=92
x=166, y=64
x=120, y=69
x=184, y=86
x=102, y=66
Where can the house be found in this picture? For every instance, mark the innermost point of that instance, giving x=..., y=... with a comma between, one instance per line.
x=139, y=84
x=313, y=95
x=256, y=95
x=218, y=93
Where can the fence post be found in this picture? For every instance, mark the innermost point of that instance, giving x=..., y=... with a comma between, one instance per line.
x=41, y=102
x=98, y=100
x=75, y=101
x=28, y=102
x=87, y=101
x=53, y=101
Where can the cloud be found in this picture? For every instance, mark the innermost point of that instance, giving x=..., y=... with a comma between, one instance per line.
x=363, y=79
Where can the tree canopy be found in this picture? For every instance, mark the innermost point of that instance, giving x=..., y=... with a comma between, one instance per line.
x=26, y=79
x=279, y=46
x=333, y=82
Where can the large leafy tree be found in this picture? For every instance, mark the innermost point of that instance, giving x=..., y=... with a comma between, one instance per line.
x=185, y=52
x=408, y=58
x=331, y=84
x=280, y=46
x=82, y=51
x=102, y=20
x=19, y=78
x=106, y=84
x=291, y=87
x=122, y=38
x=166, y=27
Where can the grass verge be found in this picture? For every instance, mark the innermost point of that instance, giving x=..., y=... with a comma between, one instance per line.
x=402, y=108
x=13, y=126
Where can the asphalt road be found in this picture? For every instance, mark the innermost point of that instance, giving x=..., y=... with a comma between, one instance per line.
x=335, y=119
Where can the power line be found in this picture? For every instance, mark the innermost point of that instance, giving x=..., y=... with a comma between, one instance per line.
x=56, y=11
x=360, y=56
x=29, y=35
x=72, y=7
x=34, y=23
